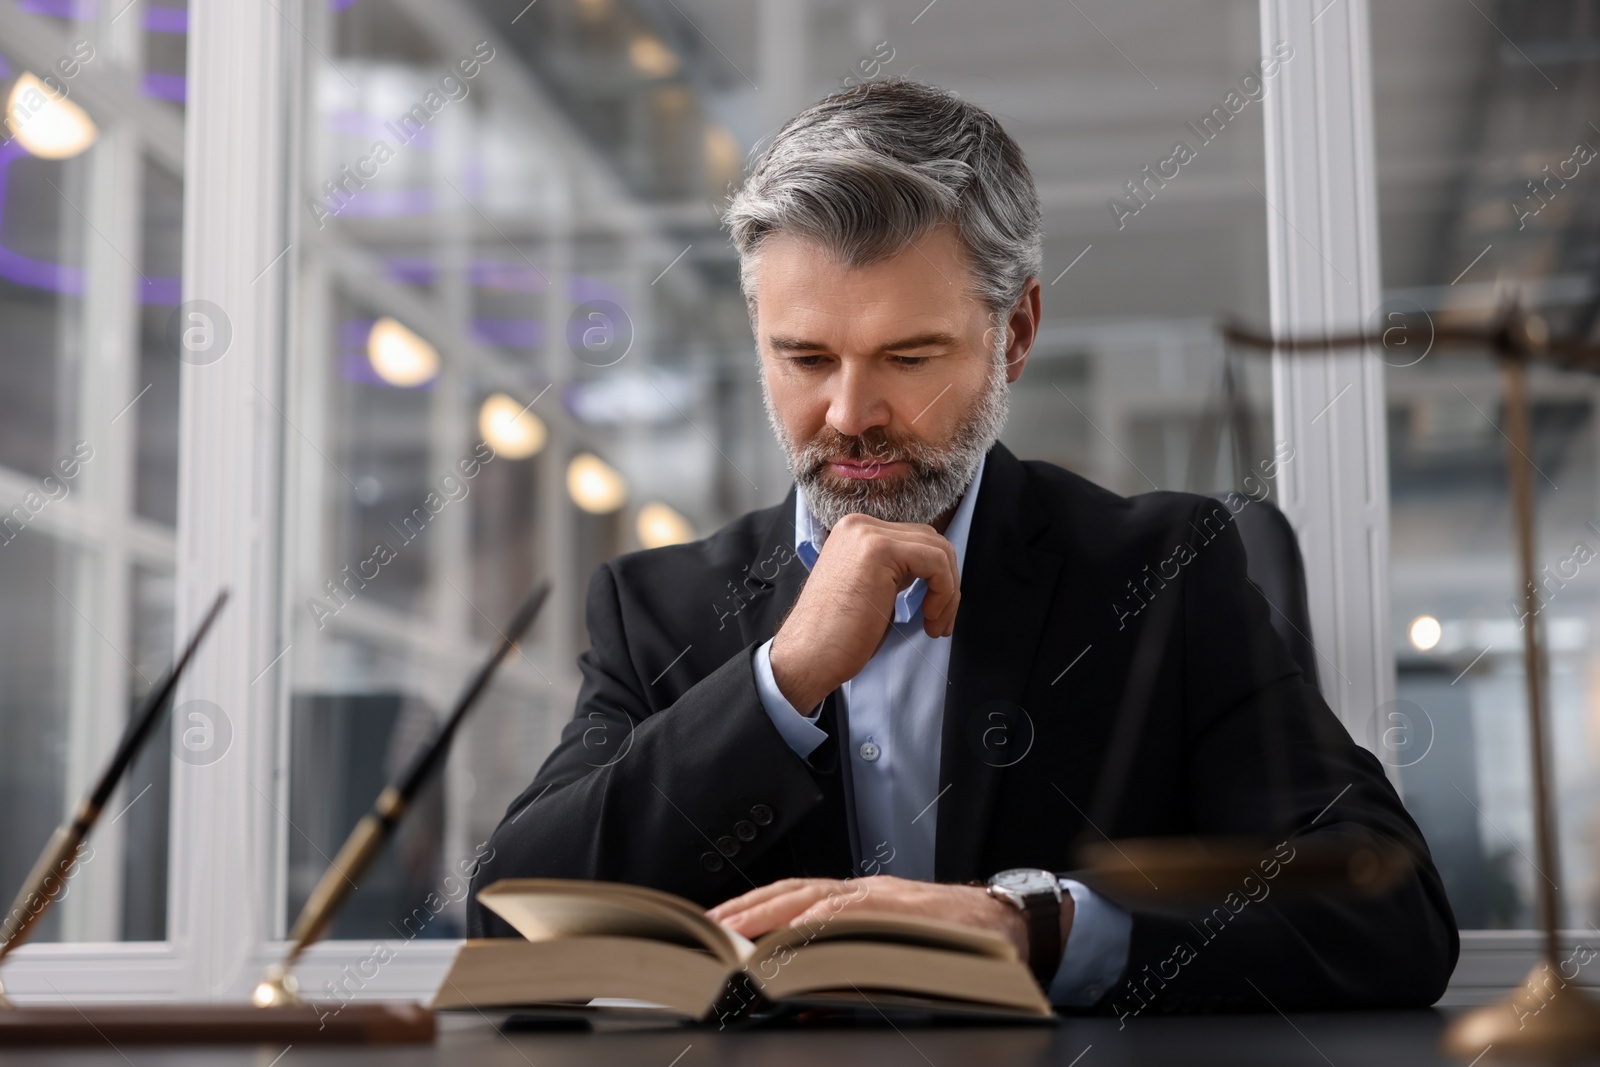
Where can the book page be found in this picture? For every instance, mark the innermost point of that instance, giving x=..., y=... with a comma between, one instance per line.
x=550, y=909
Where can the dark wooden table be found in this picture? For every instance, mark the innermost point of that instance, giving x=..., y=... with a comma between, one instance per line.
x=1339, y=1040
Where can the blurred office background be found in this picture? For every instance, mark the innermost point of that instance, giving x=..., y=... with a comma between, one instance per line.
x=517, y=349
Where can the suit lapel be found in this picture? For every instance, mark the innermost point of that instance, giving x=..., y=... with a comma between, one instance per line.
x=773, y=583
x=1006, y=588
x=773, y=578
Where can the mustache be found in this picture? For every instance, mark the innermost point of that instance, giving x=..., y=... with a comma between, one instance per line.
x=872, y=449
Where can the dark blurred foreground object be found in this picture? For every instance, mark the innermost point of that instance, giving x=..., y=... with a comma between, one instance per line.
x=1545, y=1017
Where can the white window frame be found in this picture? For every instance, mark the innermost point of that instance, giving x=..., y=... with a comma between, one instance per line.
x=245, y=79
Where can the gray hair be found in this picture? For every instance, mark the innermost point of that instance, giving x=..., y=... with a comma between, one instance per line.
x=870, y=169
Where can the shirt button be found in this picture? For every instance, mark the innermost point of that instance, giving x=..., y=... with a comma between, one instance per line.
x=1092, y=992
x=711, y=862
x=870, y=751
x=762, y=815
x=744, y=830
x=727, y=846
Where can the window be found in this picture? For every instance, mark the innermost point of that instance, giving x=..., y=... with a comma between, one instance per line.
x=90, y=226
x=480, y=327
x=1483, y=134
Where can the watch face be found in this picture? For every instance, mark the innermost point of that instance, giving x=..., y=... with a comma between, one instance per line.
x=1025, y=880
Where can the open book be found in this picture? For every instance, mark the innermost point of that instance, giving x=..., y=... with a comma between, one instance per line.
x=601, y=940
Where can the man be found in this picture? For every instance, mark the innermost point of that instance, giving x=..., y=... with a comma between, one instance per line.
x=913, y=670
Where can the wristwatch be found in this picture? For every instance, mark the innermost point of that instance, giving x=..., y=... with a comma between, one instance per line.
x=1037, y=894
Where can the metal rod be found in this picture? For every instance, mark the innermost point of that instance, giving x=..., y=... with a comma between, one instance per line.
x=374, y=829
x=58, y=861
x=1518, y=461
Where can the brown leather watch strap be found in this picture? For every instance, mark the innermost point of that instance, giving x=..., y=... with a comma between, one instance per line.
x=1044, y=936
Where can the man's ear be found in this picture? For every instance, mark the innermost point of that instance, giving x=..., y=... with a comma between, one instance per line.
x=1023, y=325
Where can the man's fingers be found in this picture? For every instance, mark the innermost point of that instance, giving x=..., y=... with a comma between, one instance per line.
x=939, y=620
x=777, y=911
x=734, y=905
x=936, y=565
x=821, y=911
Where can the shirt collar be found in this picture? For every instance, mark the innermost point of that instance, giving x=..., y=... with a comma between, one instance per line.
x=808, y=541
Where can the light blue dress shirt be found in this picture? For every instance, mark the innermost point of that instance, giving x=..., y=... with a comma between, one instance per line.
x=896, y=712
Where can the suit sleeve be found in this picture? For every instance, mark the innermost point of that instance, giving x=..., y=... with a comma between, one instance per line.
x=655, y=797
x=1266, y=756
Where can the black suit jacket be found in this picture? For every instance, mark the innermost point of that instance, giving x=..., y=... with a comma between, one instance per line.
x=1079, y=609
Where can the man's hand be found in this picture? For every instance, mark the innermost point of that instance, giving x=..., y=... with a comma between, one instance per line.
x=796, y=901
x=847, y=604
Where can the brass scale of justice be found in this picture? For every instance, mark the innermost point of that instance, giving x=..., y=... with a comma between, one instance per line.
x=1189, y=869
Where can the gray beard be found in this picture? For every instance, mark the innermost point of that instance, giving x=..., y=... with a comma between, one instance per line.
x=939, y=474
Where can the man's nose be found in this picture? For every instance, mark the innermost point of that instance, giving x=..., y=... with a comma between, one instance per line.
x=858, y=402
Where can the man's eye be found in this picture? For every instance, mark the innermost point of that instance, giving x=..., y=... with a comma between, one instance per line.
x=806, y=361
x=910, y=361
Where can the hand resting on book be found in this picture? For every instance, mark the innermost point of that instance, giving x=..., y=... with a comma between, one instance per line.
x=797, y=901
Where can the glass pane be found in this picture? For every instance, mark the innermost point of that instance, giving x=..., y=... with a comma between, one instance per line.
x=41, y=302
x=155, y=417
x=518, y=266
x=1485, y=162
x=145, y=817
x=35, y=705
x=87, y=457
x=166, y=48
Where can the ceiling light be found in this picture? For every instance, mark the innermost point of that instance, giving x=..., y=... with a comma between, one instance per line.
x=399, y=356
x=510, y=428
x=659, y=526
x=651, y=57
x=47, y=127
x=722, y=153
x=1425, y=632
x=595, y=485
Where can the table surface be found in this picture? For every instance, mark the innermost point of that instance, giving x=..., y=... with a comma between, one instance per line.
x=1340, y=1040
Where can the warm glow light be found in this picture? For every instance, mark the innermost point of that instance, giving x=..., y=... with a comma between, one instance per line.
x=47, y=127
x=511, y=430
x=595, y=485
x=399, y=356
x=722, y=153
x=652, y=57
x=659, y=525
x=1425, y=632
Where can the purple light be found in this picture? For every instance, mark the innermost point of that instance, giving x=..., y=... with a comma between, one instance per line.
x=39, y=273
x=510, y=333
x=500, y=275
x=61, y=9
x=165, y=291
x=476, y=176
x=410, y=270
x=58, y=277
x=354, y=123
x=172, y=87
x=353, y=333
x=25, y=270
x=584, y=289
x=508, y=277
x=166, y=20
x=388, y=203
